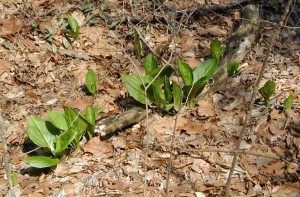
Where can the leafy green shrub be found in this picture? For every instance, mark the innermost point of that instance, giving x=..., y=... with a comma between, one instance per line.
x=56, y=134
x=156, y=86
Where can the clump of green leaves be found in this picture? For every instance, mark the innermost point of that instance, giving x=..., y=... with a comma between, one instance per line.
x=163, y=93
x=154, y=87
x=91, y=81
x=73, y=27
x=56, y=134
x=267, y=90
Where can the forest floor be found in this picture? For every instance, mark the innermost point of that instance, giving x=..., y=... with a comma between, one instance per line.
x=39, y=74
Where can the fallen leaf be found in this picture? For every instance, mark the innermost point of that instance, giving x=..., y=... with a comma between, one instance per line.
x=99, y=149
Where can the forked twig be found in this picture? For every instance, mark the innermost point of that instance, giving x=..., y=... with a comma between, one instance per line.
x=250, y=106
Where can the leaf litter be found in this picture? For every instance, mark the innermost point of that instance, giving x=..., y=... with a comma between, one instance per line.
x=35, y=80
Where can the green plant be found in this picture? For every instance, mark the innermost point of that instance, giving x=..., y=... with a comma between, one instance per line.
x=232, y=68
x=56, y=134
x=73, y=27
x=195, y=80
x=267, y=90
x=156, y=85
x=288, y=102
x=49, y=34
x=91, y=81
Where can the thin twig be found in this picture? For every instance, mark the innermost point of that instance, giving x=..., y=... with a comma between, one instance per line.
x=250, y=107
x=6, y=159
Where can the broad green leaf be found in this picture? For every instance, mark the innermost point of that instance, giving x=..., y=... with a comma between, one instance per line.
x=216, y=49
x=41, y=161
x=205, y=70
x=158, y=94
x=77, y=122
x=41, y=132
x=163, y=71
x=137, y=46
x=167, y=90
x=169, y=106
x=288, y=102
x=232, y=68
x=59, y=120
x=74, y=26
x=91, y=81
x=64, y=140
x=193, y=91
x=134, y=86
x=267, y=90
x=150, y=63
x=97, y=110
x=185, y=72
x=177, y=94
x=90, y=115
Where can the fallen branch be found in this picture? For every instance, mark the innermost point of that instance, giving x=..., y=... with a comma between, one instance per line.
x=107, y=127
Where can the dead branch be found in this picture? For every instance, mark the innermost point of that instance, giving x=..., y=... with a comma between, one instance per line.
x=107, y=127
x=250, y=107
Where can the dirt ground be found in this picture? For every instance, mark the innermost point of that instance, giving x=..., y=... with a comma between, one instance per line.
x=39, y=74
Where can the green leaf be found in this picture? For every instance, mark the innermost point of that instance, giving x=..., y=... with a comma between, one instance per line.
x=7, y=44
x=13, y=177
x=74, y=26
x=267, y=90
x=177, y=94
x=185, y=72
x=232, y=68
x=102, y=6
x=288, y=102
x=90, y=115
x=64, y=140
x=167, y=89
x=97, y=110
x=163, y=71
x=41, y=161
x=114, y=24
x=59, y=120
x=158, y=95
x=66, y=43
x=134, y=86
x=137, y=46
x=91, y=81
x=77, y=122
x=150, y=63
x=216, y=49
x=41, y=132
x=205, y=70
x=103, y=17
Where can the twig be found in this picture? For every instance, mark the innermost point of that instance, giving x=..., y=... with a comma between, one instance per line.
x=250, y=107
x=6, y=158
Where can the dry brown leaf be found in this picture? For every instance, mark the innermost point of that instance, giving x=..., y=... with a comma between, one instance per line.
x=99, y=149
x=5, y=65
x=8, y=27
